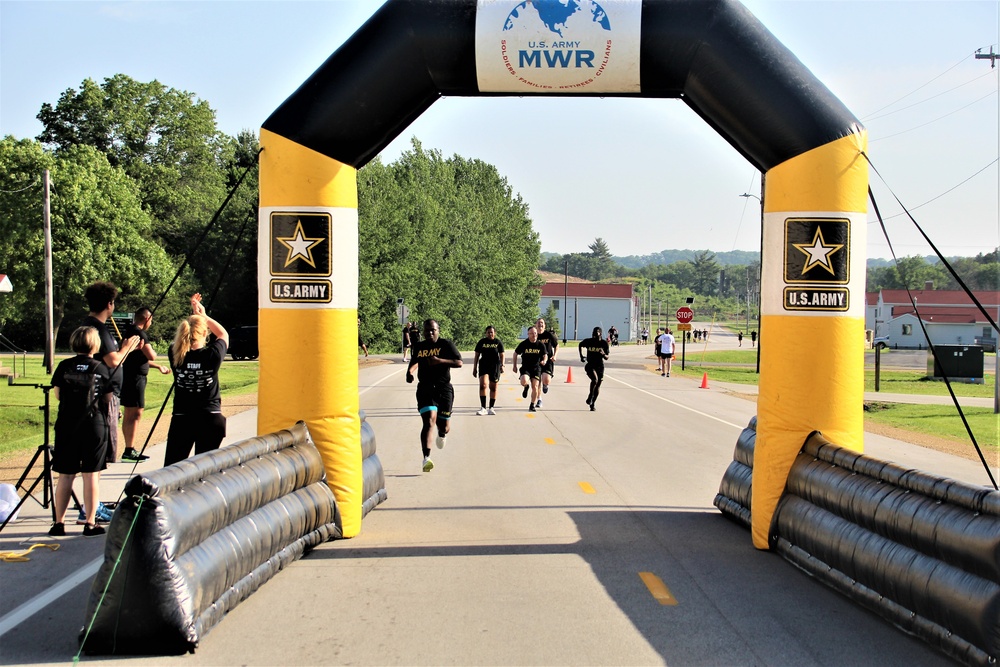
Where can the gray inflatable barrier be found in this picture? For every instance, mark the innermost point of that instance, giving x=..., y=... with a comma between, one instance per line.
x=733, y=499
x=920, y=550
x=191, y=541
x=372, y=476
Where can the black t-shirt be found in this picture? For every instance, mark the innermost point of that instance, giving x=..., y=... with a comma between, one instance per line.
x=551, y=340
x=489, y=351
x=595, y=349
x=82, y=380
x=531, y=353
x=136, y=362
x=197, y=379
x=438, y=374
x=108, y=344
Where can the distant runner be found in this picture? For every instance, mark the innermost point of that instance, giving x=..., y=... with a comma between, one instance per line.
x=594, y=351
x=488, y=364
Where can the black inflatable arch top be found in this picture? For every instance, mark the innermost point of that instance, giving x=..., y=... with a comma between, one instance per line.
x=712, y=53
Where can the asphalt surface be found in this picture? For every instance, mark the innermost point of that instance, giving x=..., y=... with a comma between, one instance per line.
x=562, y=537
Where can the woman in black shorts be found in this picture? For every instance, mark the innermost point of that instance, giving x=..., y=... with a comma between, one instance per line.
x=83, y=388
x=197, y=415
x=594, y=351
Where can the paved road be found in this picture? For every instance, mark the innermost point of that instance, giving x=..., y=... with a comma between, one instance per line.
x=531, y=543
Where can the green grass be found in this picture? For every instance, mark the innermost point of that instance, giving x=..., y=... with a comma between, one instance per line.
x=942, y=421
x=21, y=418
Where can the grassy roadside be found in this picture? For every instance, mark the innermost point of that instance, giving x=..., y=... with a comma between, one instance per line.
x=936, y=426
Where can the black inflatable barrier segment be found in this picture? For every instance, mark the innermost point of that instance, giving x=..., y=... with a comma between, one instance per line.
x=921, y=551
x=733, y=499
x=372, y=476
x=198, y=537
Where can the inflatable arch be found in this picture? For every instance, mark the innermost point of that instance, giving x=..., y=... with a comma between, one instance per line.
x=713, y=54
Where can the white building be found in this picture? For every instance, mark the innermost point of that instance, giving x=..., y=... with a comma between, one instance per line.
x=950, y=317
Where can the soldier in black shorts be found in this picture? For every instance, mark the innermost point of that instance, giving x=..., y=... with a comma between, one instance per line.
x=434, y=358
x=551, y=341
x=594, y=351
x=488, y=363
x=534, y=354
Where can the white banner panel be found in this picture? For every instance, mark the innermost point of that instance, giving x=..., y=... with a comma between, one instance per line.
x=307, y=257
x=814, y=264
x=558, y=46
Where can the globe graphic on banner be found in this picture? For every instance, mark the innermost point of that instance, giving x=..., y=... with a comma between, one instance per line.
x=559, y=16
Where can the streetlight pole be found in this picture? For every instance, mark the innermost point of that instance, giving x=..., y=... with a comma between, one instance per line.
x=761, y=256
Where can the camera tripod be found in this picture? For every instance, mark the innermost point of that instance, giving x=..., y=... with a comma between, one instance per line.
x=45, y=452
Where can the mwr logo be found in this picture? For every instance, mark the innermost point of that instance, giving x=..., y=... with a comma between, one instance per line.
x=817, y=250
x=558, y=46
x=300, y=291
x=300, y=244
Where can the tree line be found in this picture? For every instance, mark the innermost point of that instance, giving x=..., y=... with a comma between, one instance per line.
x=140, y=169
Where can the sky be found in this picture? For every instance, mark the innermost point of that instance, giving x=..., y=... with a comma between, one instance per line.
x=644, y=175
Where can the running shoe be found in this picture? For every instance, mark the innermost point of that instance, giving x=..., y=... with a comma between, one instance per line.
x=57, y=530
x=440, y=442
x=545, y=388
x=668, y=374
x=132, y=455
x=531, y=407
x=481, y=411
x=428, y=464
x=593, y=407
x=539, y=403
x=589, y=400
x=491, y=411
x=662, y=374
x=524, y=394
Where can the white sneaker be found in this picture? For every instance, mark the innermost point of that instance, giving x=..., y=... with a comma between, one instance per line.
x=539, y=403
x=440, y=442
x=428, y=464
x=481, y=411
x=491, y=411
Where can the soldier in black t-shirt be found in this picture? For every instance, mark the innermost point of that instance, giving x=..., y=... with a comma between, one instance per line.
x=594, y=351
x=434, y=358
x=82, y=385
x=534, y=353
x=197, y=417
x=551, y=341
x=488, y=363
x=135, y=368
x=101, y=300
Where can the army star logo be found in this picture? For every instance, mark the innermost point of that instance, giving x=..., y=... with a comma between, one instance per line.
x=299, y=245
x=818, y=253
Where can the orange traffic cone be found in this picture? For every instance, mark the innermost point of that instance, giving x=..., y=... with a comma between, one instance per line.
x=569, y=374
x=704, y=381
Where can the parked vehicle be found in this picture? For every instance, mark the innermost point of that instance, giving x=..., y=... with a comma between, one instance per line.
x=880, y=342
x=243, y=343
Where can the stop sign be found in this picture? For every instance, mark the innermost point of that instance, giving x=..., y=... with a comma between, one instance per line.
x=684, y=314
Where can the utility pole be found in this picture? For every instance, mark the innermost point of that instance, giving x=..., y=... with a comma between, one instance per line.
x=50, y=343
x=992, y=57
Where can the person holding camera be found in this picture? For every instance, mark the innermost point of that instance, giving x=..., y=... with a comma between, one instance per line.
x=197, y=417
x=83, y=388
x=434, y=357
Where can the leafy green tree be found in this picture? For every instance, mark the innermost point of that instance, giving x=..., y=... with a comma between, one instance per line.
x=706, y=273
x=99, y=232
x=163, y=138
x=552, y=318
x=451, y=238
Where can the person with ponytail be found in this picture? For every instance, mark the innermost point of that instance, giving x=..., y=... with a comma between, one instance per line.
x=197, y=415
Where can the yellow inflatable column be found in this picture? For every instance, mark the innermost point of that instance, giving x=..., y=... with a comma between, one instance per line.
x=307, y=253
x=812, y=313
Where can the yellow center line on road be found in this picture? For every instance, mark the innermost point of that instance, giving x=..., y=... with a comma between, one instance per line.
x=658, y=589
x=587, y=488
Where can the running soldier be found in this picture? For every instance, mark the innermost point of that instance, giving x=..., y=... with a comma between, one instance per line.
x=488, y=363
x=534, y=354
x=593, y=352
x=434, y=358
x=551, y=341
